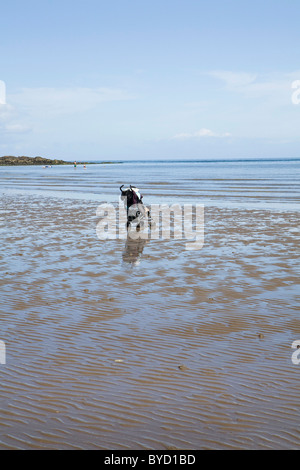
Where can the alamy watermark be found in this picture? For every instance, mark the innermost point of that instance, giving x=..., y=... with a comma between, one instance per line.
x=2, y=353
x=296, y=354
x=296, y=93
x=158, y=221
x=2, y=92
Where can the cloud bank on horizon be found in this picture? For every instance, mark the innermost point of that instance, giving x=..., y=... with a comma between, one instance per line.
x=150, y=82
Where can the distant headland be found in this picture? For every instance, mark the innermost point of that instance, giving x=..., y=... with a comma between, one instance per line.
x=11, y=161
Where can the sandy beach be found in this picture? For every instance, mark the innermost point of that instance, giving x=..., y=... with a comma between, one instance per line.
x=184, y=350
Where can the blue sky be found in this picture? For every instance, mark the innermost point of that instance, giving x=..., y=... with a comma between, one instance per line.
x=122, y=79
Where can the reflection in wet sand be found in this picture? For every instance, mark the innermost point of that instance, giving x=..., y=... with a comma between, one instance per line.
x=133, y=250
x=189, y=350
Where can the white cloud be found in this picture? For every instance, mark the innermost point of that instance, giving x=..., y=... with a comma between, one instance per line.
x=2, y=92
x=204, y=132
x=275, y=87
x=6, y=112
x=182, y=136
x=57, y=101
x=234, y=80
x=10, y=121
x=199, y=134
x=45, y=110
x=16, y=128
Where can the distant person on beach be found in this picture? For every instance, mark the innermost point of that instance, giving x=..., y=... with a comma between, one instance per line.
x=75, y=164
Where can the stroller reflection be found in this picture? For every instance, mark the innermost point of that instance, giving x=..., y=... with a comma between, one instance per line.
x=133, y=251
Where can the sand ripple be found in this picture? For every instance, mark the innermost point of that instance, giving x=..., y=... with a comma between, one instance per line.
x=185, y=350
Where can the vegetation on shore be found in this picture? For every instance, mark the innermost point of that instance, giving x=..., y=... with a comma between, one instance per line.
x=10, y=161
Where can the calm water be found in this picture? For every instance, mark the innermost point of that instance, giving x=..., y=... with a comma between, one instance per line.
x=253, y=184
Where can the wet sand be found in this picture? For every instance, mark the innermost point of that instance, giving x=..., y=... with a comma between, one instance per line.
x=185, y=350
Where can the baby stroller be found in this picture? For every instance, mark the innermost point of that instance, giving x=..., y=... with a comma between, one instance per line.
x=137, y=213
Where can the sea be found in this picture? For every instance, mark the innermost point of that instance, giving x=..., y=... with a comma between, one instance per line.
x=268, y=183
